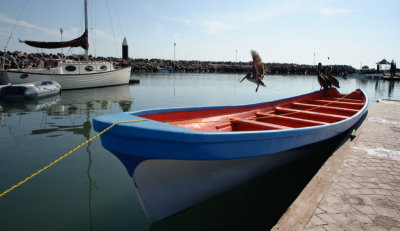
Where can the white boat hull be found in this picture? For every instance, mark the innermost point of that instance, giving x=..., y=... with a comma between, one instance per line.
x=72, y=81
x=166, y=186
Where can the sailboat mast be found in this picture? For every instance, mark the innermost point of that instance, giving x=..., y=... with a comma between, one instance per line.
x=86, y=29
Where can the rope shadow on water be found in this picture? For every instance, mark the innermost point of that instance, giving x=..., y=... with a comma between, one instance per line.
x=64, y=156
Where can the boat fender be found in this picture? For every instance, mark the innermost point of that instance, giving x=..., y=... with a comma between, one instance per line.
x=353, y=134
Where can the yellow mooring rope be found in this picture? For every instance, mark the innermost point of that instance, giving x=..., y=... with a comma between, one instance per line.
x=65, y=155
x=131, y=121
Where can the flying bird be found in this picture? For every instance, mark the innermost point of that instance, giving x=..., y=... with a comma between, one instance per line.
x=332, y=78
x=322, y=80
x=258, y=71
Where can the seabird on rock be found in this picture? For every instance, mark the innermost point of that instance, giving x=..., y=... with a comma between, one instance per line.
x=332, y=78
x=322, y=80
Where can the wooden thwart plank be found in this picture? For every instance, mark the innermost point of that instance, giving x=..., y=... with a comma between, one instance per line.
x=310, y=114
x=267, y=116
x=344, y=100
x=338, y=103
x=341, y=110
x=258, y=125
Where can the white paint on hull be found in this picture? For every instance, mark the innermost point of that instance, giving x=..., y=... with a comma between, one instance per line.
x=166, y=187
x=72, y=81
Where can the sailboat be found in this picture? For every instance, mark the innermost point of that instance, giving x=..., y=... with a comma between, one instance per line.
x=70, y=74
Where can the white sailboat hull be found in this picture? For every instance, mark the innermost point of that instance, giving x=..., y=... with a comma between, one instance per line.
x=72, y=81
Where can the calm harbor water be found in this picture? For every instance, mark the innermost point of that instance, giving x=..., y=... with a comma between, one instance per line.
x=91, y=190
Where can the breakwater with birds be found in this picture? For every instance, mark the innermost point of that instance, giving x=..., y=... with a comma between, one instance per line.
x=19, y=59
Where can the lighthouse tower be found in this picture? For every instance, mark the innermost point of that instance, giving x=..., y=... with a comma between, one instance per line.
x=125, y=49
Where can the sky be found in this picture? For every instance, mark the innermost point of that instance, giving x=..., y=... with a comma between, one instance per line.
x=349, y=32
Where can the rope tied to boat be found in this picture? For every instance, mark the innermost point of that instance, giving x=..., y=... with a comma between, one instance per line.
x=140, y=120
x=65, y=155
x=259, y=117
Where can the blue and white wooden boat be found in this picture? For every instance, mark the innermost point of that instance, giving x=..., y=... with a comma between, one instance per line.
x=30, y=90
x=179, y=157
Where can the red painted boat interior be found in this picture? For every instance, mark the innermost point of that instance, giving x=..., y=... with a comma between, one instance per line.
x=316, y=109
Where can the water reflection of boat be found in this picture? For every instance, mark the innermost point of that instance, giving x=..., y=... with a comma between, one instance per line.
x=83, y=103
x=365, y=76
x=374, y=76
x=358, y=76
x=86, y=100
x=75, y=101
x=30, y=105
x=181, y=156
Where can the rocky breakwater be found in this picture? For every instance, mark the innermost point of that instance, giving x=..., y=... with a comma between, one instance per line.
x=152, y=65
x=19, y=59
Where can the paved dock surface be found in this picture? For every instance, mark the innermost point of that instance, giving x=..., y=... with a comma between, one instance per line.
x=358, y=188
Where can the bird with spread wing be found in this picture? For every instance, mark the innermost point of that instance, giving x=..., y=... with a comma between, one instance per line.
x=258, y=71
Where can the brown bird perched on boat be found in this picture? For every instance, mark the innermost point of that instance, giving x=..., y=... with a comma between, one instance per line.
x=258, y=71
x=322, y=80
x=332, y=78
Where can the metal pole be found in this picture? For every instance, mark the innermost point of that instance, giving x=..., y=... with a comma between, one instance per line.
x=314, y=58
x=236, y=55
x=61, y=31
x=86, y=29
x=174, y=50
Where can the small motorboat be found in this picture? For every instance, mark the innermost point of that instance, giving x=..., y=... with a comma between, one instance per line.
x=30, y=90
x=164, y=69
x=179, y=157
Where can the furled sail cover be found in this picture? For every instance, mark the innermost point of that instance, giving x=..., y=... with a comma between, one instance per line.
x=78, y=42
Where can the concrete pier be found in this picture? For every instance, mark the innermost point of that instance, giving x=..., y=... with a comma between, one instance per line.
x=358, y=188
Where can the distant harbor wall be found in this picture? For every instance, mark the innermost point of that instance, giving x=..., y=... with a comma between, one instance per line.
x=146, y=65
x=25, y=60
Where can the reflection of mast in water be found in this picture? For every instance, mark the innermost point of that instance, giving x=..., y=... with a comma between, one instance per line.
x=85, y=131
x=174, y=86
x=91, y=184
x=79, y=102
x=391, y=88
x=70, y=105
x=125, y=105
